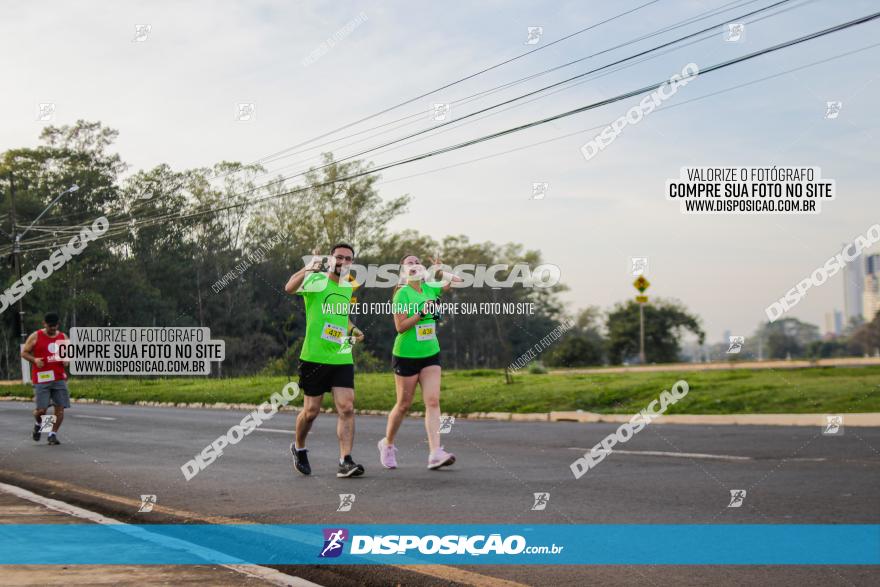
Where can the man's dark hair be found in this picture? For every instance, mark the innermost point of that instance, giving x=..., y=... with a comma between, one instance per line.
x=51, y=319
x=342, y=246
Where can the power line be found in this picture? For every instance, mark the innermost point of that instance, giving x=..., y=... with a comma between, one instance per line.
x=492, y=136
x=696, y=18
x=460, y=80
x=414, y=118
x=149, y=221
x=556, y=84
x=573, y=85
x=658, y=109
x=522, y=96
x=466, y=99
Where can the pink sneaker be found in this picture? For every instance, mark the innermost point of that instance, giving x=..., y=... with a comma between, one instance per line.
x=440, y=458
x=387, y=454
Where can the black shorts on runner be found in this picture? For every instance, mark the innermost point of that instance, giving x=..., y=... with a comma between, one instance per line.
x=406, y=367
x=318, y=378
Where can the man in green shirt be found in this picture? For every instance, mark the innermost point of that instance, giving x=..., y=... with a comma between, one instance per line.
x=325, y=360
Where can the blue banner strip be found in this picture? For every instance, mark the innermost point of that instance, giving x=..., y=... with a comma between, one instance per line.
x=285, y=544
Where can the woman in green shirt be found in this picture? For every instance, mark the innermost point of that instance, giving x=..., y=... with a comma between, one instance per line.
x=416, y=358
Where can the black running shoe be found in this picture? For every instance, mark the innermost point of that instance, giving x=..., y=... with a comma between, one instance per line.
x=36, y=434
x=349, y=468
x=53, y=439
x=301, y=460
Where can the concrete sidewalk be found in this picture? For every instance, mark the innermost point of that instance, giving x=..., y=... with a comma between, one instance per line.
x=19, y=510
x=727, y=365
x=868, y=419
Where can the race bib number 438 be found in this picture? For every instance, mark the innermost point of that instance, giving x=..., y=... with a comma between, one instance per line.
x=426, y=331
x=332, y=333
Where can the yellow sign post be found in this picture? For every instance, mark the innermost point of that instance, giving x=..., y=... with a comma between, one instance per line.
x=641, y=284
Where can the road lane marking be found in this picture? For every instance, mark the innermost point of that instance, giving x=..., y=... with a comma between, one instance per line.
x=683, y=455
x=93, y=417
x=663, y=453
x=698, y=455
x=272, y=576
x=273, y=430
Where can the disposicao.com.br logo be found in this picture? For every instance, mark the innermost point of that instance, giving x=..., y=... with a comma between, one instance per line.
x=450, y=544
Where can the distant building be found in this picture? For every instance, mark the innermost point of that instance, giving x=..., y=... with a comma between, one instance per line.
x=829, y=323
x=853, y=286
x=838, y=322
x=871, y=288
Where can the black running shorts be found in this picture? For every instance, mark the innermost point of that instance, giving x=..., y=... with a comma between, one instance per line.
x=318, y=378
x=406, y=367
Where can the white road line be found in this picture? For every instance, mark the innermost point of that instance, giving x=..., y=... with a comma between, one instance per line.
x=264, y=573
x=662, y=453
x=696, y=455
x=93, y=417
x=274, y=430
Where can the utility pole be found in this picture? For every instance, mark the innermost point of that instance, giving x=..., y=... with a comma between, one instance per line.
x=642, y=333
x=641, y=284
x=16, y=251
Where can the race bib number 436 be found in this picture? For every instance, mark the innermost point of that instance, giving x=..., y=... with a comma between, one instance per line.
x=332, y=333
x=426, y=331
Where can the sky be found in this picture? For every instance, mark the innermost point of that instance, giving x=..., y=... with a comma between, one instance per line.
x=173, y=93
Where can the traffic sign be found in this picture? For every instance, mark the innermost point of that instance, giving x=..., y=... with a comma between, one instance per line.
x=642, y=299
x=641, y=284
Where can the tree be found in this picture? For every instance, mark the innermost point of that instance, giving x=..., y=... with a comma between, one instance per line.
x=665, y=323
x=473, y=340
x=330, y=208
x=825, y=349
x=866, y=338
x=582, y=345
x=786, y=337
x=77, y=154
x=214, y=246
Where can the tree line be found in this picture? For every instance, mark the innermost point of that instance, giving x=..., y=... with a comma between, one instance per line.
x=213, y=246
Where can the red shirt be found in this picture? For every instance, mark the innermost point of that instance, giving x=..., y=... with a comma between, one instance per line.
x=44, y=348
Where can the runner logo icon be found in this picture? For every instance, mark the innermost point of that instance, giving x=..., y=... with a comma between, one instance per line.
x=334, y=539
x=737, y=497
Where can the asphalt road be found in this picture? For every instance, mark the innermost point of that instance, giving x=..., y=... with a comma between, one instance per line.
x=791, y=475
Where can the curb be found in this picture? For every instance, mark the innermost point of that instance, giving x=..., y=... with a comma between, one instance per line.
x=869, y=419
x=851, y=419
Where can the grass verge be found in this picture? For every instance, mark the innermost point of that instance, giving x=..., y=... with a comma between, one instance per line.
x=809, y=390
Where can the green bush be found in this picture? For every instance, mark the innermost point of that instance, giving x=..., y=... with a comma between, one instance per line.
x=537, y=368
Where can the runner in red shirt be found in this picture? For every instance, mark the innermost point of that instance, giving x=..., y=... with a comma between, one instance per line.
x=48, y=377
